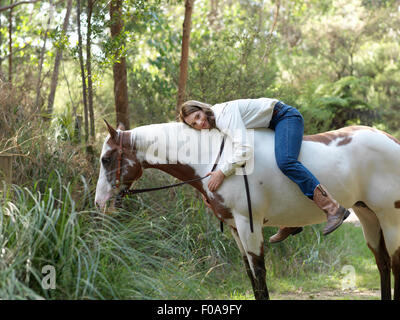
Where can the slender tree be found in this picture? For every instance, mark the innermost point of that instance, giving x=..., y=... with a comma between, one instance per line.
x=1, y=40
x=89, y=66
x=183, y=69
x=42, y=52
x=10, y=31
x=10, y=7
x=82, y=65
x=213, y=14
x=119, y=67
x=271, y=32
x=54, y=78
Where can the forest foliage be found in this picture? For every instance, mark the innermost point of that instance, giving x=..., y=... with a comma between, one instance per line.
x=337, y=61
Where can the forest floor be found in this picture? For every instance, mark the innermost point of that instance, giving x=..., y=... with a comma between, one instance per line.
x=329, y=295
x=324, y=294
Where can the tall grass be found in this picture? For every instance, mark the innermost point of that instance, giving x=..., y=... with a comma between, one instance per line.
x=163, y=245
x=139, y=255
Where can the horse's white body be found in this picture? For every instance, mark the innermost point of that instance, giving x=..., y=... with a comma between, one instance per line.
x=364, y=169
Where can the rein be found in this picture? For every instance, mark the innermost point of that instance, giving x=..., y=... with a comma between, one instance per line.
x=127, y=192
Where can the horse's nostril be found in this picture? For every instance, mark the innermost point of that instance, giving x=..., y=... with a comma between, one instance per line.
x=99, y=205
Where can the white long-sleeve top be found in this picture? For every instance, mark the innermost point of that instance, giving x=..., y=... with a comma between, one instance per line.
x=233, y=118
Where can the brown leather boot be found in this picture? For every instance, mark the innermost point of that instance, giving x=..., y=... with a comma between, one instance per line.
x=335, y=213
x=283, y=233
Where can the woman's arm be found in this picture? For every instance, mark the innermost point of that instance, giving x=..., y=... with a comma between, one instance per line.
x=231, y=123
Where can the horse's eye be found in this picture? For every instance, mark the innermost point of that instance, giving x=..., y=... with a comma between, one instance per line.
x=106, y=161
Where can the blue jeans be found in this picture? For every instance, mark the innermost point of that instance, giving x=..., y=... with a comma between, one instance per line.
x=288, y=125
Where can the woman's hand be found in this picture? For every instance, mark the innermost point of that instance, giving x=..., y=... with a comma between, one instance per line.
x=217, y=177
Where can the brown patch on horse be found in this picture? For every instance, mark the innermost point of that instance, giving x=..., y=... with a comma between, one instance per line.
x=345, y=134
x=259, y=282
x=396, y=273
x=397, y=204
x=320, y=137
x=178, y=170
x=345, y=141
x=128, y=153
x=185, y=172
x=111, y=156
x=219, y=208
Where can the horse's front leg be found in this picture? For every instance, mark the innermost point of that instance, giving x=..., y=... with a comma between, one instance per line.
x=253, y=245
x=244, y=256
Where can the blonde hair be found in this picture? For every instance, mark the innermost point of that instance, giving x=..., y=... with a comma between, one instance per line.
x=191, y=106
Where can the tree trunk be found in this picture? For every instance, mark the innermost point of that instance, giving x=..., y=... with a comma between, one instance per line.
x=1, y=40
x=84, y=91
x=185, y=53
x=54, y=78
x=119, y=68
x=42, y=52
x=10, y=45
x=89, y=67
x=270, y=34
x=213, y=15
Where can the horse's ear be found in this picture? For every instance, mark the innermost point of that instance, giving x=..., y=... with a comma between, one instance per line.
x=121, y=126
x=112, y=131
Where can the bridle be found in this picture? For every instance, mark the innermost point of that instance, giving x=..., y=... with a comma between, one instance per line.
x=125, y=192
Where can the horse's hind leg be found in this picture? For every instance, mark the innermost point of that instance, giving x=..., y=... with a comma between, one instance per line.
x=396, y=273
x=253, y=245
x=390, y=223
x=382, y=259
x=376, y=243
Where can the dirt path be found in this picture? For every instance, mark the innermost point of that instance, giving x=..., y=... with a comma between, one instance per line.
x=329, y=295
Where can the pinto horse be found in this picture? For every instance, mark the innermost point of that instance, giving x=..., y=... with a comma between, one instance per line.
x=360, y=166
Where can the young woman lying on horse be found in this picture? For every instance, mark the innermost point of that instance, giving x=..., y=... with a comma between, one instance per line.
x=236, y=116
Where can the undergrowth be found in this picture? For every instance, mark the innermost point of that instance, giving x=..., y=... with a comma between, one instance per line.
x=164, y=245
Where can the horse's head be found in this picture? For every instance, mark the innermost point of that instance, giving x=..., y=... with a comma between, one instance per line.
x=119, y=166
